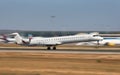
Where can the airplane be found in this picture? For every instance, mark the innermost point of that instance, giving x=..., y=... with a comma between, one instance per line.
x=108, y=41
x=8, y=38
x=1, y=41
x=54, y=41
x=5, y=39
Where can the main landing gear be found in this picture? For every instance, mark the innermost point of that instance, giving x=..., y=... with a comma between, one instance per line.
x=48, y=48
x=98, y=44
x=53, y=48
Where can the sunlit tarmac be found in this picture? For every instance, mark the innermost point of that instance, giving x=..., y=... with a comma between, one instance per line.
x=67, y=51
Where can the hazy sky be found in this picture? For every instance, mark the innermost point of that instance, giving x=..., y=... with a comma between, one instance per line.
x=59, y=15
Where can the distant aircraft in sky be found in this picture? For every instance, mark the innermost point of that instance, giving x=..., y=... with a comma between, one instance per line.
x=52, y=42
x=109, y=41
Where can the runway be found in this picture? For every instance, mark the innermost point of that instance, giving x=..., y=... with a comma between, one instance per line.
x=65, y=51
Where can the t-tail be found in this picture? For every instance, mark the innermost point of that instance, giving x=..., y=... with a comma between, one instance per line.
x=21, y=40
x=18, y=38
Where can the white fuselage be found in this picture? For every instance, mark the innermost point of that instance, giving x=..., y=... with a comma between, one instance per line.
x=63, y=39
x=54, y=41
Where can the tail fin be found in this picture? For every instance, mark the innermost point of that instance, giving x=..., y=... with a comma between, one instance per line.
x=21, y=40
x=18, y=38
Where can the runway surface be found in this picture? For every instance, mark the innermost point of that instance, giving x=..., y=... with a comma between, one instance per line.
x=67, y=51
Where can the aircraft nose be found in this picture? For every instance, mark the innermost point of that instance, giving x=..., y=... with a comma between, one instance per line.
x=100, y=38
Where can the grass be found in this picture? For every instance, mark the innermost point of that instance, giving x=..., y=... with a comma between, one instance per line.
x=18, y=63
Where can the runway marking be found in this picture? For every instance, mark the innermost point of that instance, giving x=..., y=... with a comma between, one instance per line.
x=67, y=51
x=64, y=51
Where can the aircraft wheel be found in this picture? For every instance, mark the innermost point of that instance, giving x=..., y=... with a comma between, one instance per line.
x=54, y=48
x=48, y=48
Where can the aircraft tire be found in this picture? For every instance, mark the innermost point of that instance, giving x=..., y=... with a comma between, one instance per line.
x=54, y=48
x=48, y=48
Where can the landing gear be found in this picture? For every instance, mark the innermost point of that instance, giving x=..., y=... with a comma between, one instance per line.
x=48, y=48
x=54, y=48
x=97, y=44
